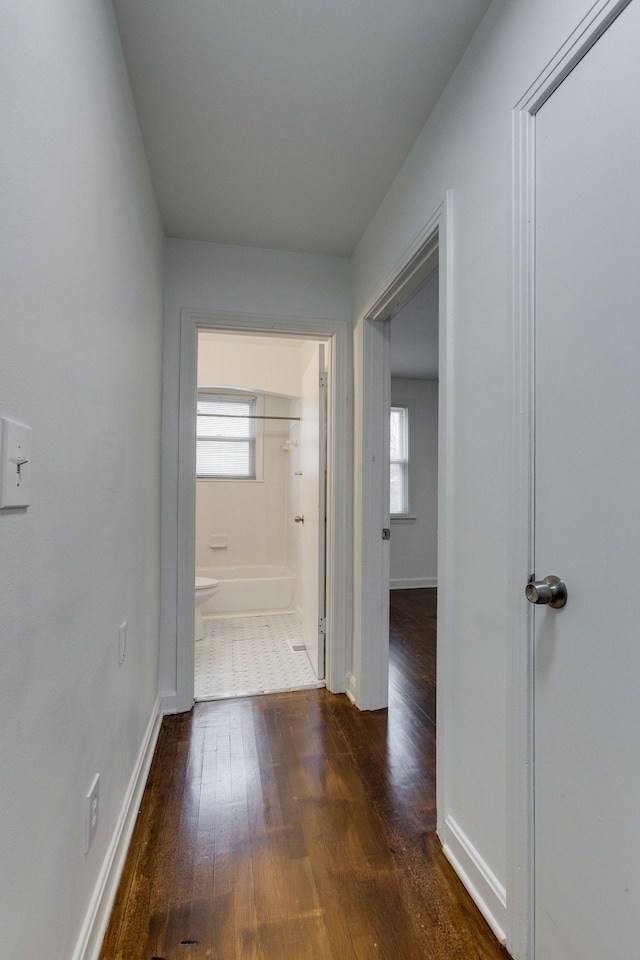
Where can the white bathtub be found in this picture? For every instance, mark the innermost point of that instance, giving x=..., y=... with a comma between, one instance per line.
x=249, y=589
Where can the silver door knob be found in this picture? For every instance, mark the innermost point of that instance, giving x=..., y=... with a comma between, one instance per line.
x=299, y=519
x=551, y=590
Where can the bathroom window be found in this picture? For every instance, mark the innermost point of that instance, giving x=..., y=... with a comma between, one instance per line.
x=399, y=461
x=226, y=437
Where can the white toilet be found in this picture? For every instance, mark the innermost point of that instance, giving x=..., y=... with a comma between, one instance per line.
x=205, y=589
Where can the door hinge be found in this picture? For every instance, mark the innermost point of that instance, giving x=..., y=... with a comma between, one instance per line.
x=324, y=379
x=322, y=625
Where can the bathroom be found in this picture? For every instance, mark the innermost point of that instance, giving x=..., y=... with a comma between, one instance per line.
x=258, y=551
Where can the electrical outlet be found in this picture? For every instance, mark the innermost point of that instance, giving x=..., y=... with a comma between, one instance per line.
x=122, y=641
x=92, y=811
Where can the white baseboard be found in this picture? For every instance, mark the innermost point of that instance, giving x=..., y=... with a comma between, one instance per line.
x=168, y=702
x=415, y=583
x=97, y=917
x=486, y=890
x=171, y=703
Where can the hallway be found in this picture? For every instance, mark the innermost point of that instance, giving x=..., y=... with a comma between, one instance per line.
x=293, y=826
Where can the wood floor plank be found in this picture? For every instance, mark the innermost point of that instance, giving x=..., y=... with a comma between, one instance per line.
x=294, y=827
x=141, y=916
x=135, y=879
x=166, y=904
x=245, y=917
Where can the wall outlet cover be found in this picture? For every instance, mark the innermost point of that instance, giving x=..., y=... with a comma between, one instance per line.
x=122, y=641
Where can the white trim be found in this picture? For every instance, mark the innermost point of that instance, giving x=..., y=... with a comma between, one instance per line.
x=413, y=583
x=410, y=272
x=97, y=917
x=371, y=637
x=520, y=546
x=336, y=333
x=446, y=486
x=372, y=553
x=589, y=30
x=520, y=789
x=487, y=892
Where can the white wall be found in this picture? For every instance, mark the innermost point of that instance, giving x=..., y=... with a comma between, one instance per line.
x=243, y=280
x=466, y=147
x=414, y=544
x=80, y=362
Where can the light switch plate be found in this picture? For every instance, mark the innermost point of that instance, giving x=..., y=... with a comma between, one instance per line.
x=15, y=464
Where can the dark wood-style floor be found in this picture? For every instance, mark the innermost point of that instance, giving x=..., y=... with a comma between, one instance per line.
x=294, y=827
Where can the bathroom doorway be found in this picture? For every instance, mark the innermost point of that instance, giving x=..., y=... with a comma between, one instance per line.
x=260, y=519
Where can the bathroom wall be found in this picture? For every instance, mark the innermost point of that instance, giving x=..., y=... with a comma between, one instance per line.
x=80, y=362
x=269, y=364
x=251, y=514
x=414, y=542
x=256, y=517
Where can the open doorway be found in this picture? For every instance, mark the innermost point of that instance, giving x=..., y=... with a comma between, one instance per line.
x=429, y=252
x=413, y=502
x=413, y=509
x=334, y=334
x=260, y=530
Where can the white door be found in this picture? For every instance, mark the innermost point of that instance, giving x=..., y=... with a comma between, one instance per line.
x=312, y=529
x=587, y=506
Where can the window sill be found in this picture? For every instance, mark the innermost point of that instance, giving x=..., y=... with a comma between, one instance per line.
x=405, y=518
x=230, y=479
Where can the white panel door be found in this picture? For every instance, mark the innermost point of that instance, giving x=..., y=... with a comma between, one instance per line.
x=587, y=505
x=312, y=530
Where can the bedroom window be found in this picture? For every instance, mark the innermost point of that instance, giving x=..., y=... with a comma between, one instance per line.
x=399, y=461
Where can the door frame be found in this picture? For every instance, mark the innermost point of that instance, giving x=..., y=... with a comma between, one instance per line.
x=371, y=636
x=335, y=335
x=520, y=792
x=315, y=451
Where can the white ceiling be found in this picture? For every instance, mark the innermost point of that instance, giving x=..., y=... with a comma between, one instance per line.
x=414, y=335
x=282, y=123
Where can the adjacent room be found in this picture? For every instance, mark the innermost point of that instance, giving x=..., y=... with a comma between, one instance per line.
x=260, y=477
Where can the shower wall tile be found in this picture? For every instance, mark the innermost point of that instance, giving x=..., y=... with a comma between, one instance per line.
x=252, y=514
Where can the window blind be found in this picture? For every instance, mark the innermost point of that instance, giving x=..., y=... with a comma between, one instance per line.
x=226, y=442
x=399, y=461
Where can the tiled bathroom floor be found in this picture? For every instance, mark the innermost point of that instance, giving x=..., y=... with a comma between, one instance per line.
x=242, y=656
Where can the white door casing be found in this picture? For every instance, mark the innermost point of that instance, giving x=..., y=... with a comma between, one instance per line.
x=312, y=528
x=369, y=687
x=179, y=553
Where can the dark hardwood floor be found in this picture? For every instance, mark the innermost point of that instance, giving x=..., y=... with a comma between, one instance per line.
x=294, y=827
